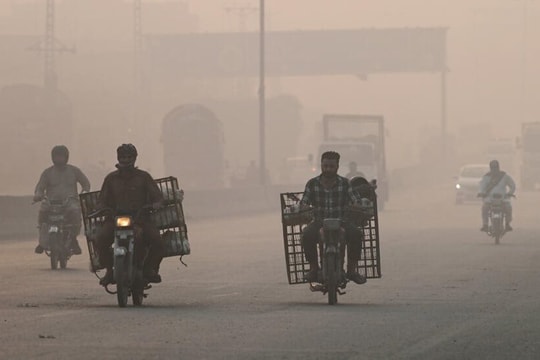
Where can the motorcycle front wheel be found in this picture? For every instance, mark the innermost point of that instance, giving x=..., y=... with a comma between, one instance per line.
x=122, y=286
x=331, y=278
x=497, y=230
x=54, y=253
x=54, y=259
x=138, y=289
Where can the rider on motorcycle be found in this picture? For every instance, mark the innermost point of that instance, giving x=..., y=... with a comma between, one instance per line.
x=59, y=183
x=329, y=194
x=496, y=182
x=129, y=189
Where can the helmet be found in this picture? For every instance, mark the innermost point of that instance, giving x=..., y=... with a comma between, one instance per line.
x=358, y=181
x=494, y=165
x=361, y=186
x=126, y=150
x=126, y=155
x=60, y=155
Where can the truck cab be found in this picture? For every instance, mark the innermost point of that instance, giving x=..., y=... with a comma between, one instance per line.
x=358, y=138
x=363, y=154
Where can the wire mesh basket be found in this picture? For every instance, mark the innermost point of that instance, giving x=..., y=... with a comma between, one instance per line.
x=297, y=266
x=293, y=216
x=170, y=221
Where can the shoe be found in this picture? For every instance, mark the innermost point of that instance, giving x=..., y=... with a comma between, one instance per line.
x=152, y=276
x=356, y=277
x=312, y=275
x=484, y=228
x=75, y=248
x=38, y=249
x=107, y=279
x=508, y=227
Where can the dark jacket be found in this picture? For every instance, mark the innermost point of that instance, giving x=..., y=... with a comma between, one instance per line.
x=129, y=190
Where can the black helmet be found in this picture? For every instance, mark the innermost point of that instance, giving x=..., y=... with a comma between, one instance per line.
x=129, y=151
x=361, y=186
x=358, y=181
x=494, y=165
x=57, y=152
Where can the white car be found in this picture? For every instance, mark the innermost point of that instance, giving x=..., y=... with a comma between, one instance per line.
x=468, y=180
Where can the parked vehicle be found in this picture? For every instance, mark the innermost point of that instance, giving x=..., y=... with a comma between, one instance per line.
x=468, y=180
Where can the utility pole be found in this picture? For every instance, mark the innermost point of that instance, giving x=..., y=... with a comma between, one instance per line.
x=137, y=48
x=242, y=11
x=51, y=80
x=49, y=46
x=262, y=100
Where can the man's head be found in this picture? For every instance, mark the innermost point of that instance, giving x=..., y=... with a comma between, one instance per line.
x=60, y=155
x=126, y=155
x=494, y=166
x=329, y=163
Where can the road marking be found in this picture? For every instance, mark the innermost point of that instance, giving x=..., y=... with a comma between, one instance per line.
x=229, y=294
x=61, y=313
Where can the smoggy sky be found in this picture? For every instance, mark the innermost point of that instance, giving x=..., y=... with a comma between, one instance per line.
x=492, y=52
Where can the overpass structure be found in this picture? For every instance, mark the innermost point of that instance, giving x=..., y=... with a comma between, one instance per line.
x=359, y=52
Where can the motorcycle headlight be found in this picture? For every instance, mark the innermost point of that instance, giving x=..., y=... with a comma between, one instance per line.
x=123, y=221
x=458, y=186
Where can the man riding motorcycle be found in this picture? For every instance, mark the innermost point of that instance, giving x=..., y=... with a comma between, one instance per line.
x=329, y=194
x=129, y=189
x=59, y=183
x=496, y=182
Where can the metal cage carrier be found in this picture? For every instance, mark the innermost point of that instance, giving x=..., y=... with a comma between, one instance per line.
x=293, y=221
x=169, y=220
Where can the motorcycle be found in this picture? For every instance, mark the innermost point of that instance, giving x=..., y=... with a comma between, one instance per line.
x=331, y=277
x=56, y=234
x=128, y=276
x=331, y=249
x=170, y=220
x=496, y=218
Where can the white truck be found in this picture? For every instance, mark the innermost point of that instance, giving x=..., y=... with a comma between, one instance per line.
x=358, y=138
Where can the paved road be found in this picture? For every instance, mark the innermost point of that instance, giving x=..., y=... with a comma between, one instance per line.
x=447, y=292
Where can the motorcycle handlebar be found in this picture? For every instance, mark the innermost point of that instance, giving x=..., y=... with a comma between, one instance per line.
x=111, y=211
x=45, y=199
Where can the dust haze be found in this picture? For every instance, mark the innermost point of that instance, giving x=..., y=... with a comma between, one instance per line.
x=109, y=87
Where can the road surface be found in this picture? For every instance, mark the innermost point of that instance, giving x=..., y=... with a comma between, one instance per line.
x=447, y=292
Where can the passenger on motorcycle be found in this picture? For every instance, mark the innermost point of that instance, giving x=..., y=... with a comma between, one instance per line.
x=329, y=194
x=353, y=171
x=496, y=182
x=129, y=189
x=59, y=183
